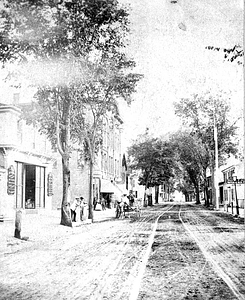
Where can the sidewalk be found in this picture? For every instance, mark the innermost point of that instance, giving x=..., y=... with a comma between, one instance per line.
x=38, y=228
x=228, y=210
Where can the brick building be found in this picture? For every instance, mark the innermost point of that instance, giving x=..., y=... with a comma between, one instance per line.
x=31, y=172
x=25, y=165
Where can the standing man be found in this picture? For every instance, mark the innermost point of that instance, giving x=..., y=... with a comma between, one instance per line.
x=82, y=204
x=103, y=203
x=73, y=209
x=131, y=200
x=94, y=203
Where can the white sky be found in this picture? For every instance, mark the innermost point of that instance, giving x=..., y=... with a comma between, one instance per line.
x=175, y=62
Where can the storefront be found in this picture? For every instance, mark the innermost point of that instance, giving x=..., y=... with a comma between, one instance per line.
x=30, y=186
x=25, y=183
x=26, y=166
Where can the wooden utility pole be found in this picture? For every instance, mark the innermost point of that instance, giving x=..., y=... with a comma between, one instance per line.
x=216, y=180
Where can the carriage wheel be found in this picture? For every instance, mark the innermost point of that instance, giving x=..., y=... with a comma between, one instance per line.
x=118, y=212
x=138, y=213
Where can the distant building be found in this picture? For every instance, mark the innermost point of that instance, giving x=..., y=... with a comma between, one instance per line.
x=108, y=175
x=137, y=190
x=231, y=190
x=110, y=179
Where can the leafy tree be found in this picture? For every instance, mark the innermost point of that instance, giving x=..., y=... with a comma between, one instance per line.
x=200, y=113
x=234, y=54
x=153, y=157
x=99, y=98
x=62, y=40
x=185, y=186
x=194, y=159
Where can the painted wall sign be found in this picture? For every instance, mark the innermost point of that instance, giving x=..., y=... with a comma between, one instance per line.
x=11, y=181
x=50, y=185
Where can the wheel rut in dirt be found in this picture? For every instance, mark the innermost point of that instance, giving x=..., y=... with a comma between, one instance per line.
x=177, y=268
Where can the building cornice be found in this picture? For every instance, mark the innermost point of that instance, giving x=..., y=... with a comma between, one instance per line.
x=28, y=153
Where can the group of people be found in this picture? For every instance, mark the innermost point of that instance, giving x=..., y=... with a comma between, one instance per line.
x=124, y=204
x=79, y=203
x=102, y=202
x=76, y=205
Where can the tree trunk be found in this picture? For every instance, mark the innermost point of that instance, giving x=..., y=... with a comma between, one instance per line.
x=90, y=200
x=63, y=139
x=197, y=194
x=206, y=195
x=156, y=193
x=65, y=207
x=145, y=198
x=145, y=195
x=150, y=200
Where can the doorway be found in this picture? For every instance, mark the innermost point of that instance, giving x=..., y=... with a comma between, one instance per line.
x=30, y=186
x=221, y=191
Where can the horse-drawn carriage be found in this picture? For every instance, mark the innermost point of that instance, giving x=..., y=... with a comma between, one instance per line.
x=125, y=210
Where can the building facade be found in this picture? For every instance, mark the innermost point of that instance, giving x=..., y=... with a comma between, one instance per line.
x=110, y=180
x=31, y=172
x=231, y=189
x=25, y=166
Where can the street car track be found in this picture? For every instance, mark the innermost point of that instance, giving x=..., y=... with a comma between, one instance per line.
x=137, y=272
x=172, y=216
x=105, y=259
x=121, y=264
x=204, y=266
x=137, y=281
x=118, y=263
x=205, y=250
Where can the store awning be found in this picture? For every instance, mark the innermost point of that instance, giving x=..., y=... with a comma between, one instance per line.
x=122, y=189
x=107, y=187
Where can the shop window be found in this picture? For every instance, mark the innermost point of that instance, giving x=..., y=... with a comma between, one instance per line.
x=30, y=186
x=226, y=195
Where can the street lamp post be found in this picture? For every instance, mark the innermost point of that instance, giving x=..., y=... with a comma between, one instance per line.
x=234, y=178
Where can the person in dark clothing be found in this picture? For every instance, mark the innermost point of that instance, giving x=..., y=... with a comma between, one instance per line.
x=95, y=203
x=73, y=208
x=131, y=200
x=103, y=205
x=81, y=208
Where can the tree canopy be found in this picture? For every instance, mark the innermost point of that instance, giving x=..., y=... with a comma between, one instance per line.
x=73, y=52
x=193, y=158
x=235, y=54
x=154, y=158
x=202, y=115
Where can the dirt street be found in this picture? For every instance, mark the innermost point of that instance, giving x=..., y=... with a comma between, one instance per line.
x=172, y=252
